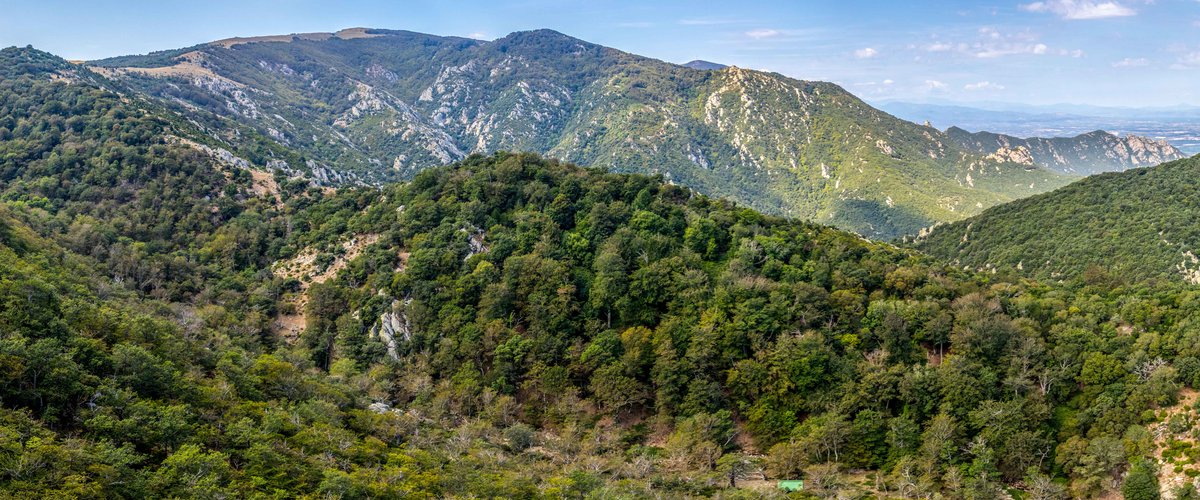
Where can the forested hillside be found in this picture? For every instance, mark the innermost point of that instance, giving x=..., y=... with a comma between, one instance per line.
x=1137, y=225
x=512, y=326
x=367, y=105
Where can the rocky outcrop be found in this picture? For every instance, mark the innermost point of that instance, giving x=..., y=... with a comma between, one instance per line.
x=393, y=327
x=1019, y=155
x=475, y=241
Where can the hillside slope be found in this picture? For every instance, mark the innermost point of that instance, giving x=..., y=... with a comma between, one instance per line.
x=376, y=105
x=1137, y=224
x=613, y=301
x=1085, y=154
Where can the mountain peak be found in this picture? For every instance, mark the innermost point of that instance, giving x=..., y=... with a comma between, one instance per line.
x=701, y=64
x=15, y=61
x=540, y=35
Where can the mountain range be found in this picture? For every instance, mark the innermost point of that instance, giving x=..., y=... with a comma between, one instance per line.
x=368, y=106
x=1086, y=154
x=1179, y=126
x=189, y=309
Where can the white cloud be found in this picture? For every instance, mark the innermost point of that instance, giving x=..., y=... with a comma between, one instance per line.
x=1130, y=62
x=990, y=43
x=866, y=53
x=985, y=85
x=477, y=35
x=1190, y=60
x=762, y=33
x=990, y=50
x=889, y=81
x=935, y=85
x=1080, y=9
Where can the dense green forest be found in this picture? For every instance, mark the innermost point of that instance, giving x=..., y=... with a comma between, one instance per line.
x=1138, y=224
x=512, y=326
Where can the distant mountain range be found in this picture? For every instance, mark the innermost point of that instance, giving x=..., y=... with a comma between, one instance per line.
x=1084, y=154
x=367, y=105
x=1178, y=126
x=364, y=106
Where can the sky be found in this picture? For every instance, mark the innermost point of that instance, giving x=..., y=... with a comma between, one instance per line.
x=1134, y=53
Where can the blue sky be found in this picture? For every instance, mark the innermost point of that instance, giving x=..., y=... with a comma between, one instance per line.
x=1102, y=52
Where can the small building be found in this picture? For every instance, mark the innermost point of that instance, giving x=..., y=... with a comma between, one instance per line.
x=791, y=485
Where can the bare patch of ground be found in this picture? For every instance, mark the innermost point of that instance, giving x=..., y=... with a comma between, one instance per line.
x=188, y=65
x=352, y=33
x=263, y=184
x=1177, y=447
x=239, y=40
x=303, y=268
x=346, y=34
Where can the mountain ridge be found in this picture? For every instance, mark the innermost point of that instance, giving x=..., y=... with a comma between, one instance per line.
x=1085, y=154
x=390, y=103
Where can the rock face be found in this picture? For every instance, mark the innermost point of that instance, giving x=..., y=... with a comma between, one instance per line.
x=1019, y=155
x=1086, y=154
x=382, y=105
x=393, y=327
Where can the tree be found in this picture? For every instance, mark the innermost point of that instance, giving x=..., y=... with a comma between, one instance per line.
x=737, y=466
x=1042, y=487
x=193, y=473
x=823, y=479
x=698, y=441
x=608, y=293
x=824, y=436
x=938, y=440
x=786, y=460
x=1142, y=482
x=326, y=303
x=616, y=391
x=520, y=437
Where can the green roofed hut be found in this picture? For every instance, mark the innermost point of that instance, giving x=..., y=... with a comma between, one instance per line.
x=791, y=485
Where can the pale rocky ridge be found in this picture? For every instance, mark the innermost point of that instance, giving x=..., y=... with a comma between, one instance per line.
x=1085, y=154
